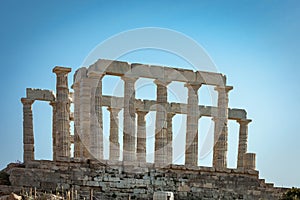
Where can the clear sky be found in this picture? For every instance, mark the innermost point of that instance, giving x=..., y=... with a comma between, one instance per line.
x=255, y=43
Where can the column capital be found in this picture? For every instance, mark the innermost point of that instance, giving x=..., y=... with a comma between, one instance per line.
x=129, y=78
x=223, y=88
x=26, y=101
x=193, y=85
x=162, y=82
x=61, y=70
x=113, y=109
x=244, y=121
x=142, y=112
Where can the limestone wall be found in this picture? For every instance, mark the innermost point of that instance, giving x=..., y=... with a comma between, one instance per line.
x=140, y=181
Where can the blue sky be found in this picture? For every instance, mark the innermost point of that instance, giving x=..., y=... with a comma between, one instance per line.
x=255, y=43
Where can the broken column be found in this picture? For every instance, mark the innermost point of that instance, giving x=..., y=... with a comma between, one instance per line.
x=249, y=161
x=114, y=145
x=141, y=136
x=129, y=137
x=161, y=123
x=243, y=140
x=62, y=113
x=28, y=137
x=221, y=129
x=191, y=148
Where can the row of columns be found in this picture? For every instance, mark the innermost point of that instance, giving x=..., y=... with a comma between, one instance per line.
x=88, y=136
x=163, y=130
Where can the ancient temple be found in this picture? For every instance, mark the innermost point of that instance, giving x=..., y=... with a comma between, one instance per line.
x=87, y=116
x=87, y=138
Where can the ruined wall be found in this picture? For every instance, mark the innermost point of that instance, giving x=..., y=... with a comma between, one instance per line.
x=139, y=181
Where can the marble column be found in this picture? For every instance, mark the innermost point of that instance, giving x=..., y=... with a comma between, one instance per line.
x=114, y=145
x=90, y=112
x=161, y=139
x=129, y=135
x=191, y=147
x=141, y=136
x=170, y=137
x=62, y=113
x=96, y=126
x=221, y=129
x=54, y=137
x=28, y=137
x=243, y=140
x=78, y=150
x=83, y=128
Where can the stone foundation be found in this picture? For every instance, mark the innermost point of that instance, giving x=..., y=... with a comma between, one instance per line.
x=121, y=180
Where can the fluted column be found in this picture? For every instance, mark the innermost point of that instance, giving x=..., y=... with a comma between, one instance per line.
x=54, y=137
x=221, y=129
x=141, y=136
x=114, y=145
x=78, y=150
x=129, y=136
x=96, y=126
x=62, y=113
x=161, y=123
x=28, y=137
x=83, y=128
x=170, y=137
x=191, y=148
x=243, y=140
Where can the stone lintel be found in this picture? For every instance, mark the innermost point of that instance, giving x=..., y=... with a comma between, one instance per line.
x=119, y=68
x=176, y=108
x=40, y=94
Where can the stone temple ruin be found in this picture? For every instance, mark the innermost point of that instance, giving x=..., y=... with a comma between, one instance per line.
x=132, y=177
